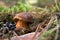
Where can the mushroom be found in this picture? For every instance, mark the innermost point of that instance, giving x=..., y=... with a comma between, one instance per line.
x=23, y=20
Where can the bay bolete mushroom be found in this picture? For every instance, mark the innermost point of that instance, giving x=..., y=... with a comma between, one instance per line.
x=23, y=20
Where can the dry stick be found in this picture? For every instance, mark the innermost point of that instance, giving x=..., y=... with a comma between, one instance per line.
x=54, y=28
x=16, y=35
x=57, y=5
x=57, y=33
x=57, y=29
x=51, y=30
x=48, y=26
x=37, y=30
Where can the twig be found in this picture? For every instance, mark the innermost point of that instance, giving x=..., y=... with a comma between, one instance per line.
x=49, y=24
x=39, y=26
x=51, y=30
x=57, y=5
x=57, y=29
x=56, y=34
x=16, y=35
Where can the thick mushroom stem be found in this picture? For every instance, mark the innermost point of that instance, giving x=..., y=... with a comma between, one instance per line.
x=21, y=24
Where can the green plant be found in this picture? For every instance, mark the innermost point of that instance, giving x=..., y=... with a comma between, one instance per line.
x=1, y=8
x=19, y=7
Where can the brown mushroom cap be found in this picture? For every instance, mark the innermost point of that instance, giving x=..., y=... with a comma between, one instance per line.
x=24, y=17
